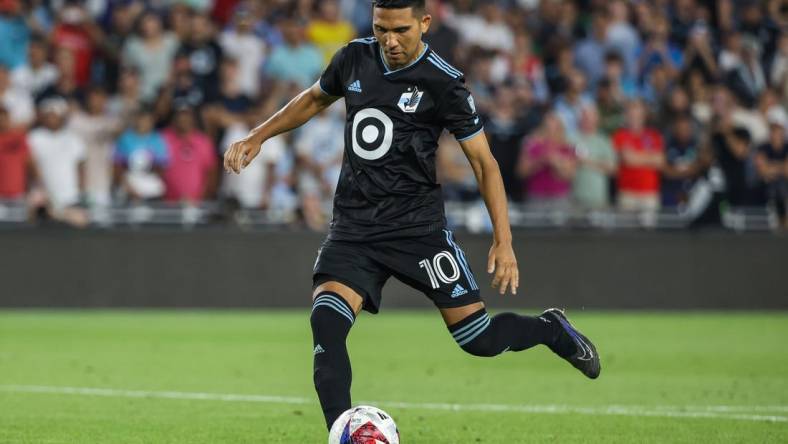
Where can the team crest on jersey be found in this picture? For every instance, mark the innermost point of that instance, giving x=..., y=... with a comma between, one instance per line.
x=409, y=101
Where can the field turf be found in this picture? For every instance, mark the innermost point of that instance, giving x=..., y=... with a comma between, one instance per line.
x=167, y=377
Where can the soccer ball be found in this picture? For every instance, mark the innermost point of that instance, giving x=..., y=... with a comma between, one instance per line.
x=364, y=425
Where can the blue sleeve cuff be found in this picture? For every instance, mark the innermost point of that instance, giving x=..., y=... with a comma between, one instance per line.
x=463, y=139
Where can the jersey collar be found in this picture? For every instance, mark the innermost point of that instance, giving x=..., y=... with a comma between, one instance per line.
x=387, y=71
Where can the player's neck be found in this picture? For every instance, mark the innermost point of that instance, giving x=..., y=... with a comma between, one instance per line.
x=419, y=53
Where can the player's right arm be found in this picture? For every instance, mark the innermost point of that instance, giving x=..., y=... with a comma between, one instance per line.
x=297, y=112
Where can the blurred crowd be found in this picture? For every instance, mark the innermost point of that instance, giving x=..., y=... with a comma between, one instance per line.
x=638, y=106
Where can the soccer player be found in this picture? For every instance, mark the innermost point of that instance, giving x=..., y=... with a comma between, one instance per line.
x=388, y=211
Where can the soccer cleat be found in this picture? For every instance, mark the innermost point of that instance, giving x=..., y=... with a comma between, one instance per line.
x=585, y=358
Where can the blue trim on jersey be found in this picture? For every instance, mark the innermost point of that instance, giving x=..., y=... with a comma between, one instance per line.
x=461, y=259
x=365, y=40
x=445, y=63
x=389, y=71
x=471, y=136
x=439, y=66
x=462, y=333
x=334, y=303
x=439, y=62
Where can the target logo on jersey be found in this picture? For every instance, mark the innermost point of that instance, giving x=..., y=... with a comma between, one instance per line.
x=364, y=425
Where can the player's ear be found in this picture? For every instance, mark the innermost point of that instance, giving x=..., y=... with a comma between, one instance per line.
x=424, y=23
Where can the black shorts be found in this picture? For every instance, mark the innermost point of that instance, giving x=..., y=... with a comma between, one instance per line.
x=433, y=264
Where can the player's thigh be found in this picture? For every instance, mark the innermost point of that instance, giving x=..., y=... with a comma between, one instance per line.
x=435, y=265
x=453, y=315
x=351, y=296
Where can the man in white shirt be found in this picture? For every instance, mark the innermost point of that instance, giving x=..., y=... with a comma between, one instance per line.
x=17, y=100
x=241, y=44
x=37, y=74
x=59, y=155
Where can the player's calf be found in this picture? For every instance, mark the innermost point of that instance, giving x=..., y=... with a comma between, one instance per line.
x=331, y=320
x=482, y=335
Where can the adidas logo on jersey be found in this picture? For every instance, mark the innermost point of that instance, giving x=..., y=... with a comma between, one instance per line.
x=319, y=349
x=355, y=86
x=458, y=291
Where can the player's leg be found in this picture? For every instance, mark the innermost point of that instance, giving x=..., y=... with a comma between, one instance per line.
x=345, y=281
x=479, y=334
x=334, y=310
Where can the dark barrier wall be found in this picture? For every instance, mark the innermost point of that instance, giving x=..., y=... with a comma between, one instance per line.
x=220, y=268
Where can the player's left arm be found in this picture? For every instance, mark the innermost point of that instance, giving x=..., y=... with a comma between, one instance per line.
x=501, y=259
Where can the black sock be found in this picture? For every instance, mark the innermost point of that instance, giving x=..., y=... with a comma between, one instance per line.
x=331, y=320
x=481, y=335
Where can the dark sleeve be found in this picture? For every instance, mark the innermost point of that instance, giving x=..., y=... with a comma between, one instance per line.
x=331, y=81
x=457, y=112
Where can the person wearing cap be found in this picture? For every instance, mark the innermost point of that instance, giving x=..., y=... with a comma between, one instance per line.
x=771, y=163
x=60, y=156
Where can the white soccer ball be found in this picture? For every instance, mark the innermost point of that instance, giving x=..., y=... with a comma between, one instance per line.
x=364, y=425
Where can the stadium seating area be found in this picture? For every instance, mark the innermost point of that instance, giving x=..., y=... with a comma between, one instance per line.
x=601, y=113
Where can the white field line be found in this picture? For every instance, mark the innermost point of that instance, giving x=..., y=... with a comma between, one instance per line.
x=736, y=412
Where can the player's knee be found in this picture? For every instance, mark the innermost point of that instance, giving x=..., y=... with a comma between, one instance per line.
x=329, y=308
x=473, y=334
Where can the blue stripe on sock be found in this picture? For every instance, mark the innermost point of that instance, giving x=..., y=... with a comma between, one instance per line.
x=475, y=334
x=334, y=303
x=461, y=332
x=340, y=304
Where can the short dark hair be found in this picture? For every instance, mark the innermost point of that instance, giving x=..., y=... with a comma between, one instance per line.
x=417, y=5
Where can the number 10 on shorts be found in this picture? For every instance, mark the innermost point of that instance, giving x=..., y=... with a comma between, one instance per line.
x=436, y=272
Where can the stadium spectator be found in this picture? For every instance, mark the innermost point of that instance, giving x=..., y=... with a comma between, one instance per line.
x=442, y=38
x=16, y=100
x=611, y=108
x=295, y=60
x=659, y=51
x=590, y=52
x=59, y=155
x=254, y=187
x=529, y=67
x=14, y=34
x=622, y=86
x=204, y=54
x=15, y=162
x=240, y=43
x=771, y=163
x=746, y=78
x=506, y=126
x=66, y=85
x=319, y=155
x=230, y=106
x=622, y=37
x=596, y=162
x=191, y=175
x=487, y=29
x=37, y=74
x=125, y=103
x=328, y=31
x=454, y=173
x=548, y=165
x=733, y=151
x=140, y=157
x=150, y=53
x=685, y=162
x=98, y=130
x=76, y=34
x=569, y=105
x=641, y=156
x=181, y=89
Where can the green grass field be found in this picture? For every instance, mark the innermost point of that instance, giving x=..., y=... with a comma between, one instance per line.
x=666, y=378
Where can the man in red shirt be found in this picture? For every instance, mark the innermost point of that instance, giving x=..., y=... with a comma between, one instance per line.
x=641, y=153
x=15, y=160
x=75, y=33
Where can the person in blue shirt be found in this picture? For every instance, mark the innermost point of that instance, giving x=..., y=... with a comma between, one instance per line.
x=140, y=157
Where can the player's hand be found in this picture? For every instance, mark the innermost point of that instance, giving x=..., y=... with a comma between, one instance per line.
x=502, y=262
x=240, y=154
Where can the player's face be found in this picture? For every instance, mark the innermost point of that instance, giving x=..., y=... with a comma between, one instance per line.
x=399, y=33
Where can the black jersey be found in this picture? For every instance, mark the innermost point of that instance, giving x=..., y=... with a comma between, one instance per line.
x=387, y=187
